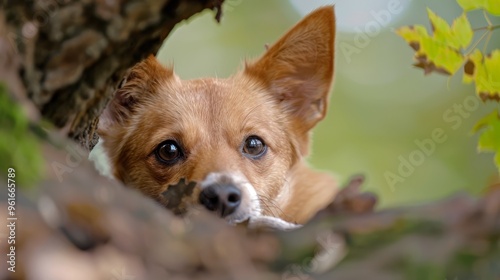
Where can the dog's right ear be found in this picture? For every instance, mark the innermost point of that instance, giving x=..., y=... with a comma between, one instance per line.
x=298, y=69
x=142, y=80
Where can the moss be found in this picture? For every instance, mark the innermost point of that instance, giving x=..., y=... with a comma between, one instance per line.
x=419, y=271
x=19, y=146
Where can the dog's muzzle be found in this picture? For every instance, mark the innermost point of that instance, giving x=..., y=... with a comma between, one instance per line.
x=230, y=195
x=224, y=199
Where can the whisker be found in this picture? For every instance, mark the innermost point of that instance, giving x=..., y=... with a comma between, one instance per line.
x=272, y=206
x=269, y=203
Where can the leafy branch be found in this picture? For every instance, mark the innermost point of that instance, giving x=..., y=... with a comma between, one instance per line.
x=448, y=49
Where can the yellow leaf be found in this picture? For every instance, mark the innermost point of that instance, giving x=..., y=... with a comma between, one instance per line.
x=462, y=31
x=488, y=81
x=441, y=51
x=440, y=28
x=491, y=6
x=431, y=54
x=412, y=34
x=489, y=138
x=472, y=66
x=485, y=72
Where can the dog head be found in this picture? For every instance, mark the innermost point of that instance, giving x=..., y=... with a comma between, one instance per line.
x=240, y=137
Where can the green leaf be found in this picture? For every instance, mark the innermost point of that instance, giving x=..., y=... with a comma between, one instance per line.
x=462, y=31
x=412, y=33
x=485, y=121
x=472, y=66
x=458, y=36
x=488, y=82
x=431, y=53
x=485, y=72
x=440, y=27
x=489, y=140
x=440, y=52
x=491, y=6
x=442, y=56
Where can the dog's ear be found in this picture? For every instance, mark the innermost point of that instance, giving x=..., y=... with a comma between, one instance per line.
x=142, y=80
x=298, y=69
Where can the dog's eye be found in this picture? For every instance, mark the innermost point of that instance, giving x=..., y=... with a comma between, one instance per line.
x=254, y=147
x=168, y=152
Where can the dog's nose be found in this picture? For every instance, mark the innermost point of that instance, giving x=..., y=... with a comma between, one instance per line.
x=221, y=198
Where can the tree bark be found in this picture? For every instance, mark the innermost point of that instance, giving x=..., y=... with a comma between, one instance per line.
x=71, y=54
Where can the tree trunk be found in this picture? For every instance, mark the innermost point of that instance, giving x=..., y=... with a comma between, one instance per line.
x=72, y=53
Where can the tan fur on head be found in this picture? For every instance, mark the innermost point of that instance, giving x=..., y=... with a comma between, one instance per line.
x=279, y=98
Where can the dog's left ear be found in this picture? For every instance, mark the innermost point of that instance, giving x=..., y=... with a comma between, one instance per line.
x=141, y=82
x=298, y=69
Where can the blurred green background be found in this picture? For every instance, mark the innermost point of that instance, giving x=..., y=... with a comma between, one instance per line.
x=380, y=104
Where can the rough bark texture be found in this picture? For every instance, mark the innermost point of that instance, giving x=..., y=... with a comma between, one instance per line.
x=73, y=53
x=79, y=225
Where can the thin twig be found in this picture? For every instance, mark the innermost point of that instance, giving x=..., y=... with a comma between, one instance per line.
x=476, y=43
x=488, y=27
x=485, y=48
x=487, y=18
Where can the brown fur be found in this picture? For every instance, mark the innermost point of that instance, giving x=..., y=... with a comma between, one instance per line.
x=280, y=97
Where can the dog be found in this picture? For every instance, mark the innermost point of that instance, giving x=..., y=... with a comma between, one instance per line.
x=244, y=138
